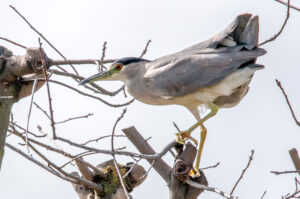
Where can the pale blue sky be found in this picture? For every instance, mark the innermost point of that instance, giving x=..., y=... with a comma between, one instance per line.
x=262, y=121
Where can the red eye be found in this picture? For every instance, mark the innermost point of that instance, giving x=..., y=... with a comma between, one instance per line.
x=118, y=66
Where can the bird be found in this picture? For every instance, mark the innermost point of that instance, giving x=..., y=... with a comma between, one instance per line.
x=212, y=74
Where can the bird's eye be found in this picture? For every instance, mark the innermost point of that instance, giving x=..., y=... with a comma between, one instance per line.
x=118, y=66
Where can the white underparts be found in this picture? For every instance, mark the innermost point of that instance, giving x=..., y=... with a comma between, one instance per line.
x=227, y=86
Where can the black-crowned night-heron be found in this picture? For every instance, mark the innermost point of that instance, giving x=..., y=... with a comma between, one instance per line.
x=215, y=73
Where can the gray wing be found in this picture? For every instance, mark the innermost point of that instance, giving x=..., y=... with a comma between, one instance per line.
x=190, y=73
x=244, y=30
x=208, y=62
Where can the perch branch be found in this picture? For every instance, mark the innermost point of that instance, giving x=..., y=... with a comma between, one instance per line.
x=160, y=165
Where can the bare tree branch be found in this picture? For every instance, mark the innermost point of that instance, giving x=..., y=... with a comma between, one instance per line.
x=98, y=88
x=211, y=167
x=41, y=109
x=125, y=153
x=102, y=57
x=42, y=36
x=100, y=138
x=13, y=42
x=287, y=101
x=30, y=107
x=244, y=171
x=294, y=7
x=295, y=158
x=75, y=118
x=48, y=89
x=114, y=158
x=282, y=27
x=96, y=170
x=264, y=194
x=39, y=163
x=145, y=49
x=160, y=166
x=200, y=186
x=92, y=96
x=284, y=172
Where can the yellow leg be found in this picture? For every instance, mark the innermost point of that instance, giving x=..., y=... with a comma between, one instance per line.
x=213, y=112
x=183, y=136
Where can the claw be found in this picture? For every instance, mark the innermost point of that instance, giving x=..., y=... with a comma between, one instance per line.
x=194, y=173
x=183, y=136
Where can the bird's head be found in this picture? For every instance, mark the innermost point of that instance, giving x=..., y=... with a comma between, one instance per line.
x=121, y=69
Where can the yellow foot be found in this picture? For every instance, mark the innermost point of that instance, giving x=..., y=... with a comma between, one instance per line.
x=194, y=173
x=183, y=136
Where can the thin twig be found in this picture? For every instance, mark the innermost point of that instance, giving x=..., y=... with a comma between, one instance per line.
x=145, y=49
x=210, y=167
x=244, y=171
x=6, y=97
x=294, y=7
x=85, y=153
x=98, y=88
x=75, y=118
x=92, y=96
x=83, y=181
x=96, y=170
x=13, y=124
x=79, y=61
x=86, y=94
x=296, y=183
x=41, y=109
x=287, y=101
x=282, y=27
x=49, y=169
x=100, y=138
x=176, y=126
x=284, y=172
x=113, y=155
x=212, y=189
x=125, y=153
x=146, y=174
x=30, y=108
x=131, y=168
x=13, y=42
x=292, y=195
x=102, y=57
x=42, y=36
x=264, y=194
x=48, y=91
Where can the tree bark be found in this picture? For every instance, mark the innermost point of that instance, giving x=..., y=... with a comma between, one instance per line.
x=174, y=177
x=5, y=108
x=12, y=86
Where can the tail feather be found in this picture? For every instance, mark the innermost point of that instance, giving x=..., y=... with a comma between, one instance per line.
x=250, y=34
x=242, y=23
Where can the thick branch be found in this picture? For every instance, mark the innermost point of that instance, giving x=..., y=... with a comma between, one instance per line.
x=5, y=108
x=79, y=61
x=143, y=147
x=295, y=157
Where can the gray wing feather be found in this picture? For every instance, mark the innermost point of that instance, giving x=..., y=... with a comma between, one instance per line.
x=191, y=73
x=206, y=63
